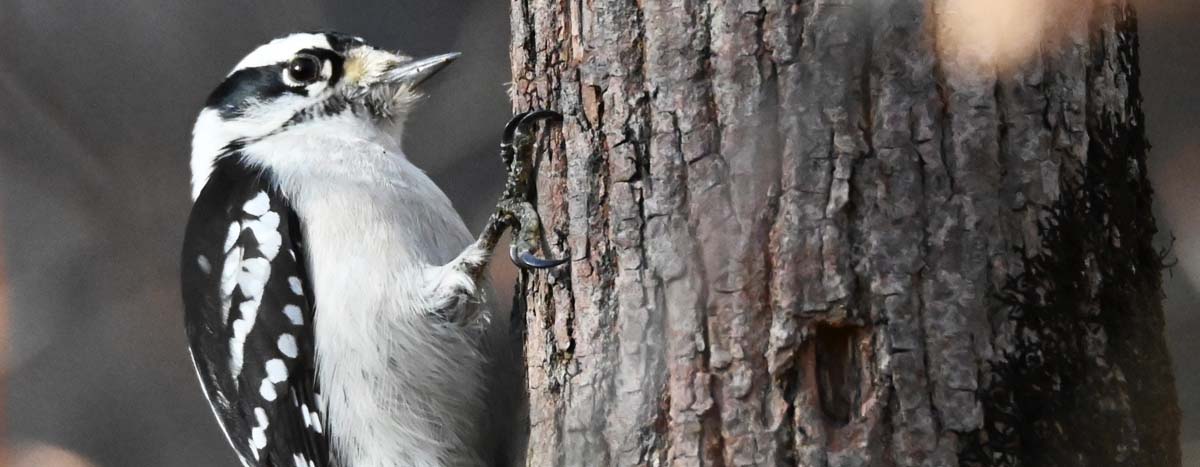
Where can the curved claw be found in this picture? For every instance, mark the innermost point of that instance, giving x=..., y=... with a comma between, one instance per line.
x=516, y=149
x=506, y=140
x=530, y=117
x=527, y=235
x=520, y=122
x=527, y=260
x=511, y=128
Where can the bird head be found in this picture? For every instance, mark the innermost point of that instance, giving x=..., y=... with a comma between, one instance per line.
x=303, y=78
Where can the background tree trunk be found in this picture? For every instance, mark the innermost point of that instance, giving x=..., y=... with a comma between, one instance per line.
x=821, y=233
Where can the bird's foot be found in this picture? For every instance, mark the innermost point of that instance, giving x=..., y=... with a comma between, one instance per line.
x=517, y=148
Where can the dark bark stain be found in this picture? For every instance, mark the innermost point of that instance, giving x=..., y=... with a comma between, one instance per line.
x=1094, y=384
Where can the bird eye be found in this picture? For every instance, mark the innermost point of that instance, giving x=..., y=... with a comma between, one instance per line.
x=304, y=69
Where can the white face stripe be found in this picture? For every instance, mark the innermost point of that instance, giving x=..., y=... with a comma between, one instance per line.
x=282, y=50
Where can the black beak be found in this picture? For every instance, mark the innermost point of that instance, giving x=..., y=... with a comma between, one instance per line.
x=416, y=72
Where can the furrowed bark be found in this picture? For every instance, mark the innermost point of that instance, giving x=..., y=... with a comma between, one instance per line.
x=813, y=233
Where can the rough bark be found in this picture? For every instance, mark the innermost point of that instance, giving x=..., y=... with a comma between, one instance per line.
x=800, y=234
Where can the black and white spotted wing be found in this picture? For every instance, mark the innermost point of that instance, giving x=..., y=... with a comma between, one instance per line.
x=249, y=314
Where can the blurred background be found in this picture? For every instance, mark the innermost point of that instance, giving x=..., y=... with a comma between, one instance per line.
x=96, y=105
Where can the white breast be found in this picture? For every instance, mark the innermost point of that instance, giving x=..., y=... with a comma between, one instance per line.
x=402, y=387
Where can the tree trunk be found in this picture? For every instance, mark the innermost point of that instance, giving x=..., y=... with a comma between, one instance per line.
x=824, y=233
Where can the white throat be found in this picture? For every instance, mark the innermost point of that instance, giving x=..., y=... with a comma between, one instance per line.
x=212, y=134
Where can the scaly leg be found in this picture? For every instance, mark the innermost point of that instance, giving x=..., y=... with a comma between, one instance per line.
x=514, y=209
x=455, y=282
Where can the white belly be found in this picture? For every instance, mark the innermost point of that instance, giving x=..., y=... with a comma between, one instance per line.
x=400, y=387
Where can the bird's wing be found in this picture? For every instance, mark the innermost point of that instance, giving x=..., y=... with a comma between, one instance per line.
x=249, y=314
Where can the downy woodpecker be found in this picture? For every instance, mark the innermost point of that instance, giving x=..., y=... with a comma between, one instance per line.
x=336, y=307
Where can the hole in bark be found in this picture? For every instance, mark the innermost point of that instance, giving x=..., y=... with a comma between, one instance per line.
x=838, y=372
